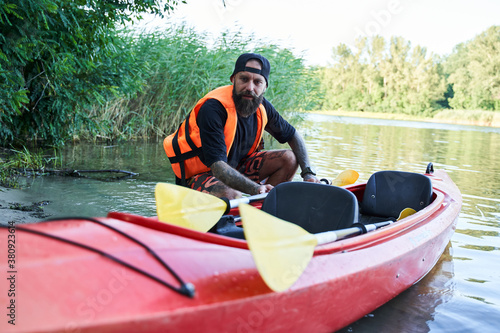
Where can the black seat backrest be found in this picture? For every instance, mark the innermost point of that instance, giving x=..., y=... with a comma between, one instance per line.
x=314, y=207
x=387, y=193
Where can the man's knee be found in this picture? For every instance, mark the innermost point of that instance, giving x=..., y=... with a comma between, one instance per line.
x=290, y=159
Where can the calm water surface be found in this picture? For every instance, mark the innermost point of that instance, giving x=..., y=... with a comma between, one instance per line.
x=462, y=292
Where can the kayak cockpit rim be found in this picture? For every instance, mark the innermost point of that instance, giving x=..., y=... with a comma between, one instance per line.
x=385, y=233
x=348, y=244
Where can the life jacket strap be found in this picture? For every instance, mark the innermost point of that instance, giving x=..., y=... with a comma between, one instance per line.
x=181, y=157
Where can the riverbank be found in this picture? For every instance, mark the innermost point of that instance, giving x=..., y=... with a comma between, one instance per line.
x=15, y=207
x=457, y=117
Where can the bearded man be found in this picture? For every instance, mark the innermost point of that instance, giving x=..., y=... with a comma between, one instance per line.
x=216, y=149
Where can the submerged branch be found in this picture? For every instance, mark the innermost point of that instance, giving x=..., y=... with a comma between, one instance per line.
x=77, y=173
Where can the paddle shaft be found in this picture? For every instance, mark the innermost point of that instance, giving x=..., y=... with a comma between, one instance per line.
x=236, y=202
x=332, y=236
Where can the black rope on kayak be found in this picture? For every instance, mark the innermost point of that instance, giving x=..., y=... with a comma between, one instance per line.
x=186, y=289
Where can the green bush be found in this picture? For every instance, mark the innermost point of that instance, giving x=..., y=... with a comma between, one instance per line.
x=59, y=57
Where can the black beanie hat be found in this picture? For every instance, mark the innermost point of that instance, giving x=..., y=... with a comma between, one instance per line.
x=240, y=65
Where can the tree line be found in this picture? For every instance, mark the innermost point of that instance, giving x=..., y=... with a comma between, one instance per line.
x=69, y=70
x=390, y=76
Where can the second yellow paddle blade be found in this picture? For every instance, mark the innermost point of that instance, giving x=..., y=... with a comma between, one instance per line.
x=346, y=177
x=187, y=208
x=281, y=250
x=406, y=212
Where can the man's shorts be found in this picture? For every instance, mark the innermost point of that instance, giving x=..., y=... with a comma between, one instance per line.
x=249, y=167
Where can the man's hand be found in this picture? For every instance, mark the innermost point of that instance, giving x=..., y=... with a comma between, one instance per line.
x=264, y=188
x=236, y=181
x=311, y=178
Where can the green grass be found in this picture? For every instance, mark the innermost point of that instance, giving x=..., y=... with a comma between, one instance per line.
x=470, y=117
x=463, y=117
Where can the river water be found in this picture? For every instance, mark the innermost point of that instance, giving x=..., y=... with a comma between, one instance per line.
x=462, y=292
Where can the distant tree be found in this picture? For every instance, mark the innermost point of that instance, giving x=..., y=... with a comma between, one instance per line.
x=58, y=57
x=372, y=73
x=382, y=77
x=473, y=71
x=336, y=80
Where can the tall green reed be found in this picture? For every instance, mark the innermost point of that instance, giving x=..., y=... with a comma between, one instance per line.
x=176, y=67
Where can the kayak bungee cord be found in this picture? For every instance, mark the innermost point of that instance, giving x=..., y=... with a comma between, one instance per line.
x=186, y=289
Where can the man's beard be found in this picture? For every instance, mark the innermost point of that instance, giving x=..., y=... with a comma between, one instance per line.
x=246, y=107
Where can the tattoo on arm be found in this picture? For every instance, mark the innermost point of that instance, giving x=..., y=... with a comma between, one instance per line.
x=232, y=178
x=299, y=149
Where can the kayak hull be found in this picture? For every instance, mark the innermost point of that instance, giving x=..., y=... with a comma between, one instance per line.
x=62, y=287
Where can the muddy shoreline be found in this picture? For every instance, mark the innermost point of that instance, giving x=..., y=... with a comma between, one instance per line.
x=15, y=207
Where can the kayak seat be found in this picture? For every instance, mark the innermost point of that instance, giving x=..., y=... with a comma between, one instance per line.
x=387, y=193
x=314, y=207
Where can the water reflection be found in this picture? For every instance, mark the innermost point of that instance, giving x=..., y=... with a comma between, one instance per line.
x=364, y=146
x=412, y=310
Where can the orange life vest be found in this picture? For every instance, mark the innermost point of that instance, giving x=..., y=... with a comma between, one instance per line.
x=183, y=147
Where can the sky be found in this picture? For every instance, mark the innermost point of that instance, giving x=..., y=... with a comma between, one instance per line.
x=312, y=28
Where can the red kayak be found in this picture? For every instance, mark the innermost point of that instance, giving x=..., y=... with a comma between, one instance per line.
x=127, y=273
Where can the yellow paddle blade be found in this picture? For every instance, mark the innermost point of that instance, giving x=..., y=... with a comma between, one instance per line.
x=346, y=177
x=187, y=208
x=281, y=250
x=406, y=212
